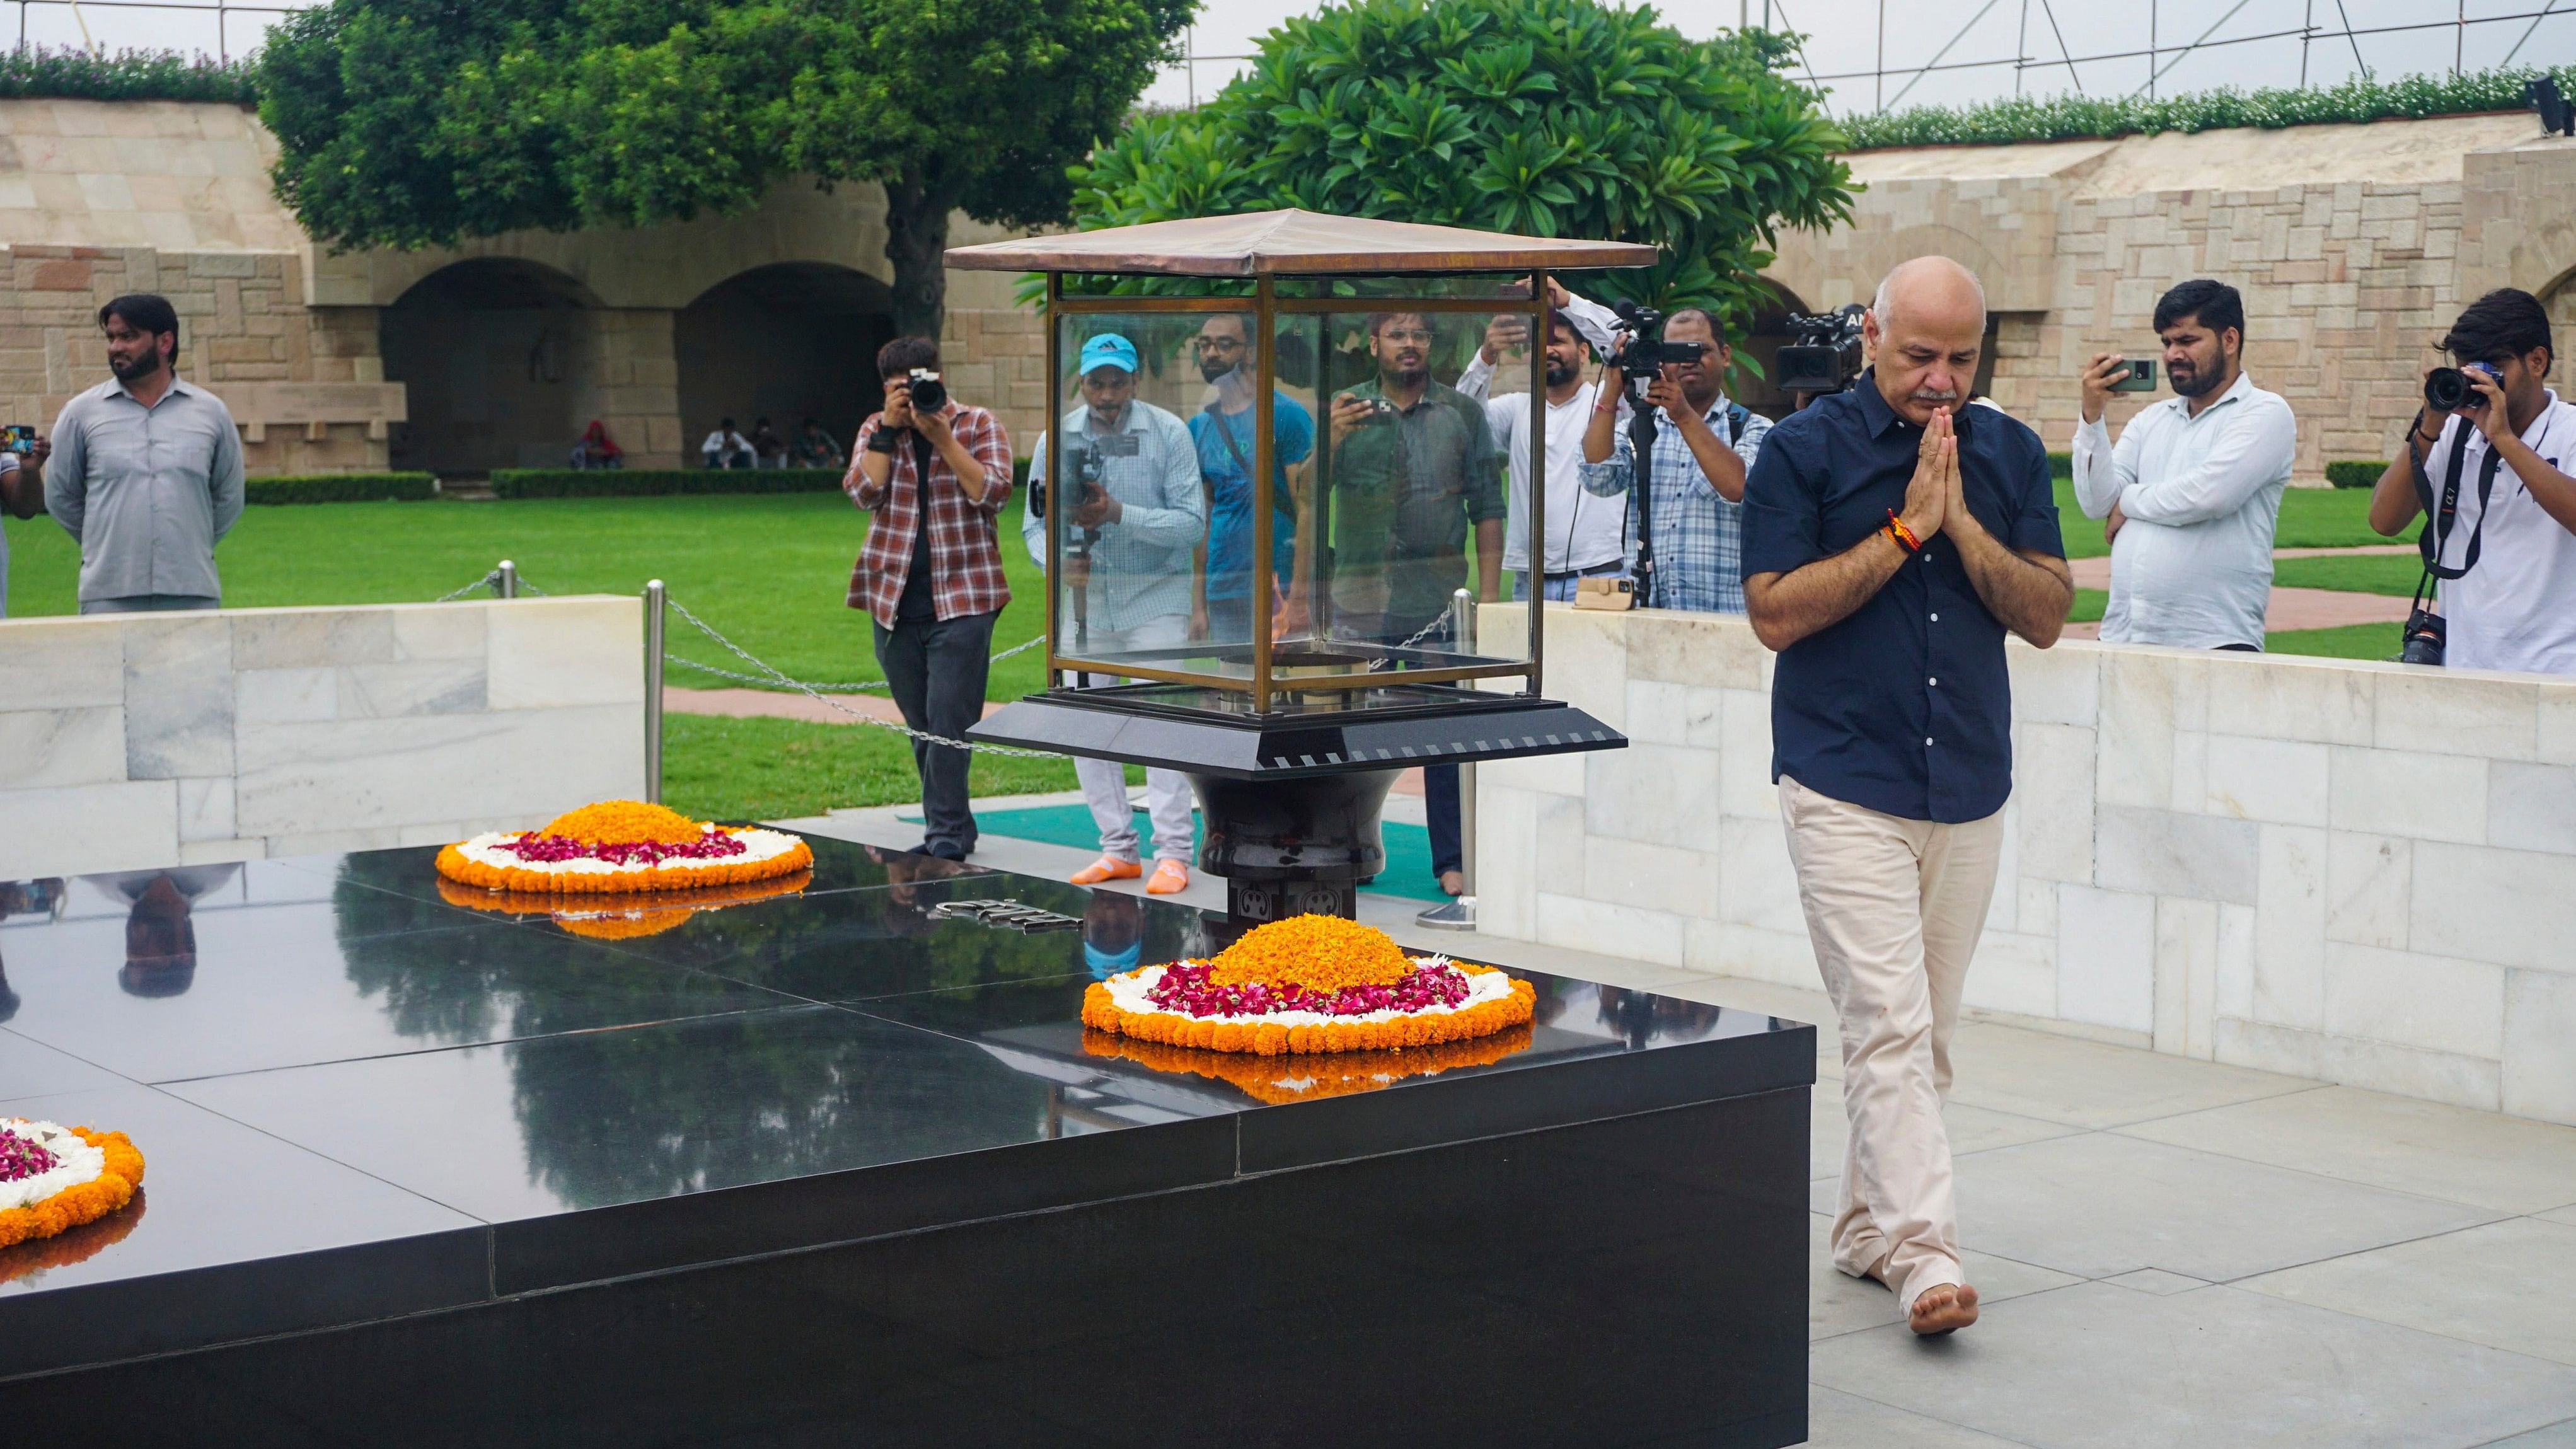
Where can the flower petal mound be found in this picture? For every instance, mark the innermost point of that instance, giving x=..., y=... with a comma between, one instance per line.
x=623, y=846
x=1309, y=984
x=53, y=1178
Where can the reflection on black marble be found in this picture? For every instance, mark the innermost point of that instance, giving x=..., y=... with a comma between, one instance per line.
x=589, y=1119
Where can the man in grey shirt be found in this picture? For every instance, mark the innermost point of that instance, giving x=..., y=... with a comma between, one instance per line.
x=147, y=472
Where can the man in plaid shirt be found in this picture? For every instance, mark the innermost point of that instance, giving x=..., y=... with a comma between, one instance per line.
x=931, y=571
x=1704, y=447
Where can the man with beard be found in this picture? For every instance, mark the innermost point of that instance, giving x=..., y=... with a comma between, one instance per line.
x=1582, y=541
x=2193, y=490
x=146, y=474
x=1704, y=446
x=1225, y=607
x=1892, y=537
x=1413, y=471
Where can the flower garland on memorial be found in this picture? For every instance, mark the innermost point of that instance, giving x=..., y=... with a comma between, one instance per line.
x=627, y=917
x=1309, y=984
x=1310, y=1079
x=623, y=846
x=54, y=1177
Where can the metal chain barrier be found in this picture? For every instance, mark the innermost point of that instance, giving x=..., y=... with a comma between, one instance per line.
x=771, y=675
x=831, y=686
x=490, y=578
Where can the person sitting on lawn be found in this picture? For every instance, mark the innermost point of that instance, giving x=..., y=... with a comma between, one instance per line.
x=767, y=448
x=814, y=448
x=596, y=449
x=728, y=448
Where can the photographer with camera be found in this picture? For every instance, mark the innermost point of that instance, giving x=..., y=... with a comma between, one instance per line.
x=22, y=490
x=1134, y=517
x=2193, y=491
x=934, y=472
x=1414, y=473
x=1690, y=538
x=2487, y=460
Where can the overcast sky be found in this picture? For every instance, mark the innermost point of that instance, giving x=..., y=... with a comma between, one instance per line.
x=1976, y=40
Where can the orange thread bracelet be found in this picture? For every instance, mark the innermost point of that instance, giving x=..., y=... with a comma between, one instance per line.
x=1903, y=535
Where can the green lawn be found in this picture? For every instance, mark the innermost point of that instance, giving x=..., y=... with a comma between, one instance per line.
x=770, y=571
x=2392, y=574
x=717, y=768
x=2352, y=641
x=2310, y=518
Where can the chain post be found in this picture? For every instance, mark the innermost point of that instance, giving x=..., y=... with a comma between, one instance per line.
x=654, y=596
x=506, y=582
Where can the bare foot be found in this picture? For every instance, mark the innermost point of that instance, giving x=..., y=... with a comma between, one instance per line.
x=1454, y=882
x=1943, y=1308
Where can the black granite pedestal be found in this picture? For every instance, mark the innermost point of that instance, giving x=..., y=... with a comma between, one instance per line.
x=831, y=1169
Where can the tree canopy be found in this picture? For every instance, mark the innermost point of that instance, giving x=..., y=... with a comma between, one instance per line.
x=407, y=123
x=1553, y=117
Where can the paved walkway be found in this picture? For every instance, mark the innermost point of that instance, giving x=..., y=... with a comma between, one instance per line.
x=2171, y=1252
x=2288, y=608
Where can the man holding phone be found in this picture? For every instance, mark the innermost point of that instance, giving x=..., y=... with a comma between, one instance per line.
x=2192, y=493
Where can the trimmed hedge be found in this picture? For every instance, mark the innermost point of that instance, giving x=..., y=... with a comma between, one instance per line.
x=2061, y=465
x=342, y=488
x=128, y=75
x=2063, y=118
x=646, y=482
x=2355, y=472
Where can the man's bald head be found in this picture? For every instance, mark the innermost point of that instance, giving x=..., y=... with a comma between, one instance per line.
x=1924, y=333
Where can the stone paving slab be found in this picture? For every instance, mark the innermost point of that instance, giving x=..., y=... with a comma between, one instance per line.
x=2505, y=1285
x=2093, y=1084
x=1836, y=1420
x=2509, y=1164
x=2093, y=1366
x=2098, y=1205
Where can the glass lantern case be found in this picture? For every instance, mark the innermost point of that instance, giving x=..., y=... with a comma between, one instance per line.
x=1270, y=493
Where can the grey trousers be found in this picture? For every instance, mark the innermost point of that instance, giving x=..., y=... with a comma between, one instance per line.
x=150, y=604
x=935, y=670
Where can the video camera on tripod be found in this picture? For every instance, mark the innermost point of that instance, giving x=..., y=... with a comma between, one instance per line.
x=1647, y=354
x=1826, y=353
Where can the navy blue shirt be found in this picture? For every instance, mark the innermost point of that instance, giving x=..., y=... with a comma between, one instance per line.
x=1904, y=707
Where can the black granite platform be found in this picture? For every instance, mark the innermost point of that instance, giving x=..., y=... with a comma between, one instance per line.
x=832, y=1169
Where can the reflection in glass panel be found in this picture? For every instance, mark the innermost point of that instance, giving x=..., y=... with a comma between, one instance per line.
x=1410, y=488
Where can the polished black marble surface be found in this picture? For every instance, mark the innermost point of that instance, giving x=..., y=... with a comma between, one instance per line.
x=359, y=1101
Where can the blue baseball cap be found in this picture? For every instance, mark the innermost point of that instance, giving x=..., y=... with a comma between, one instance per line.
x=1108, y=350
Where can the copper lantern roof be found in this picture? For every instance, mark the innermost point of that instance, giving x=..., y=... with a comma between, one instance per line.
x=1288, y=243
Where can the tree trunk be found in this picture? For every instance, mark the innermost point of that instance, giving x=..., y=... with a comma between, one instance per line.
x=916, y=240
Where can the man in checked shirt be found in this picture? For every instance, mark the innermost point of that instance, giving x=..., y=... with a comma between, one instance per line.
x=1128, y=545
x=930, y=573
x=1704, y=447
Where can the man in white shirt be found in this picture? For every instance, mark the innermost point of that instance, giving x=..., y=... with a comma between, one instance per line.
x=727, y=448
x=2514, y=529
x=1583, y=539
x=2193, y=491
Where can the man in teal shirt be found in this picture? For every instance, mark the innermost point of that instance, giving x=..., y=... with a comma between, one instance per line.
x=1225, y=436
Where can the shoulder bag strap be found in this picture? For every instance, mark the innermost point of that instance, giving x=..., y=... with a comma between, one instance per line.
x=2441, y=519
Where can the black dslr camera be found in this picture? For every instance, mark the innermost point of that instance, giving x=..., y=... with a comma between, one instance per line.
x=1825, y=355
x=929, y=394
x=2447, y=388
x=1086, y=461
x=1646, y=355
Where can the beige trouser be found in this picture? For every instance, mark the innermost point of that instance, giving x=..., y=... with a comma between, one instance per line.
x=1894, y=907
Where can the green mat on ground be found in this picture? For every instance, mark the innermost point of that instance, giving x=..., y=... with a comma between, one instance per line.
x=1408, y=847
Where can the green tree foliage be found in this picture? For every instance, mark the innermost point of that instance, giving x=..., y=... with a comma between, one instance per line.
x=2066, y=117
x=410, y=123
x=127, y=75
x=1552, y=117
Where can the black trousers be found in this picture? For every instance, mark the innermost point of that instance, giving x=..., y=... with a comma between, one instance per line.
x=936, y=668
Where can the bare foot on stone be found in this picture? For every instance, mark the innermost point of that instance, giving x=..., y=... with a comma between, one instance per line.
x=1944, y=1308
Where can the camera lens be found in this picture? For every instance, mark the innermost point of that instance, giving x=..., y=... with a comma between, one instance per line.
x=2446, y=388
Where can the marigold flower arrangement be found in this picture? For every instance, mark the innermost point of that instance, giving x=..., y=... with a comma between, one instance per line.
x=53, y=1177
x=626, y=917
x=1311, y=1078
x=623, y=846
x=1309, y=984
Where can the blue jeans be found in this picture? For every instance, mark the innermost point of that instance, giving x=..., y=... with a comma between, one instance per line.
x=1560, y=587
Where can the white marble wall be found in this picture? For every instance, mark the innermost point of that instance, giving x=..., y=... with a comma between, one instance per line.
x=2357, y=872
x=141, y=740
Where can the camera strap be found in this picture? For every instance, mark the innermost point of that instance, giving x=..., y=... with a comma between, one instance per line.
x=2442, y=518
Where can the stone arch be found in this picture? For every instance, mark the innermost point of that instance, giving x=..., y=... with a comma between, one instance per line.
x=786, y=340
x=492, y=353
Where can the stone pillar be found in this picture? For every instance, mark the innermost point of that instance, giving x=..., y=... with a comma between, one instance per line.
x=624, y=373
